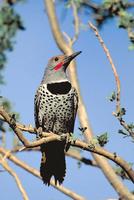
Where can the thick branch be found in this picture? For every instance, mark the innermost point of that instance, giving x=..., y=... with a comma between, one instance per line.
x=55, y=27
x=36, y=173
x=112, y=156
x=76, y=155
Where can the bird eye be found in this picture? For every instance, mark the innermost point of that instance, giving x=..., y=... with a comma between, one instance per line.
x=56, y=59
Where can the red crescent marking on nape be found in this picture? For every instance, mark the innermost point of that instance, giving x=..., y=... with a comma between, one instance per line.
x=58, y=66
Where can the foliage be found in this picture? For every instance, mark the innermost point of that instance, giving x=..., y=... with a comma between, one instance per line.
x=102, y=139
x=10, y=23
x=121, y=172
x=112, y=97
x=130, y=128
x=107, y=9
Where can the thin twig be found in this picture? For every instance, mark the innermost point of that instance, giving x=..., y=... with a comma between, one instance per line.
x=124, y=125
x=112, y=64
x=36, y=173
x=17, y=180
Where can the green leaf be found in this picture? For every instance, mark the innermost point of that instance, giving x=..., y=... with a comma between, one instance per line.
x=103, y=139
x=112, y=97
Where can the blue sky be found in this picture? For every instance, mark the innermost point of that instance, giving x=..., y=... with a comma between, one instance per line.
x=23, y=74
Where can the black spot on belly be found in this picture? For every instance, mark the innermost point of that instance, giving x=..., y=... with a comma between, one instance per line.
x=59, y=88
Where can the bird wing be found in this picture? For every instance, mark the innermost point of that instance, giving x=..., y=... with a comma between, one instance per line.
x=75, y=102
x=74, y=111
x=36, y=108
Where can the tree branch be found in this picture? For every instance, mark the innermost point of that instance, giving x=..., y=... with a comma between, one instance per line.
x=116, y=114
x=72, y=153
x=112, y=65
x=64, y=47
x=36, y=173
x=17, y=180
x=76, y=155
x=76, y=23
x=77, y=143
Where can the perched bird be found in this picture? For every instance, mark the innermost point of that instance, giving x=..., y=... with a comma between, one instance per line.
x=56, y=103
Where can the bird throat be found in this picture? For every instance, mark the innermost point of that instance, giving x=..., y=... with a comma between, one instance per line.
x=59, y=88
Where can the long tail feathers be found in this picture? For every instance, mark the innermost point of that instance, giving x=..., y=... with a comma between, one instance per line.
x=53, y=162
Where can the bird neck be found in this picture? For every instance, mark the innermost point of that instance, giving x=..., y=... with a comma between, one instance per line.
x=54, y=77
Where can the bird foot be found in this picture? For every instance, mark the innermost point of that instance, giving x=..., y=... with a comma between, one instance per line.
x=63, y=137
x=39, y=133
x=69, y=140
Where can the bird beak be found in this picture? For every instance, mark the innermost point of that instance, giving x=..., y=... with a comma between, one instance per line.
x=68, y=59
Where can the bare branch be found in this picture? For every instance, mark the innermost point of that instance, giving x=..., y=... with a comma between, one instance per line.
x=76, y=155
x=120, y=119
x=76, y=23
x=112, y=156
x=36, y=173
x=17, y=180
x=111, y=62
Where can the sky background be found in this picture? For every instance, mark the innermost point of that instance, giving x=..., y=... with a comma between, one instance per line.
x=23, y=74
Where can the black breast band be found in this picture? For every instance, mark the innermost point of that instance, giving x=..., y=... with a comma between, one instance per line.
x=59, y=88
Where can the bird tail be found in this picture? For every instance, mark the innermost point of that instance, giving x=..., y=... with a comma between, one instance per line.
x=53, y=162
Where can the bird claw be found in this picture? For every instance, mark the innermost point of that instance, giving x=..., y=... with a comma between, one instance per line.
x=39, y=133
x=63, y=136
x=69, y=140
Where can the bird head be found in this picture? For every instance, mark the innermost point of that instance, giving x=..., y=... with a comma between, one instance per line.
x=56, y=68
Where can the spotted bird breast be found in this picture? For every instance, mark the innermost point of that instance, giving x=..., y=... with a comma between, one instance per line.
x=55, y=107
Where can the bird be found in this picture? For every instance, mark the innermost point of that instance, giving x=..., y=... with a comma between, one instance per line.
x=55, y=108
